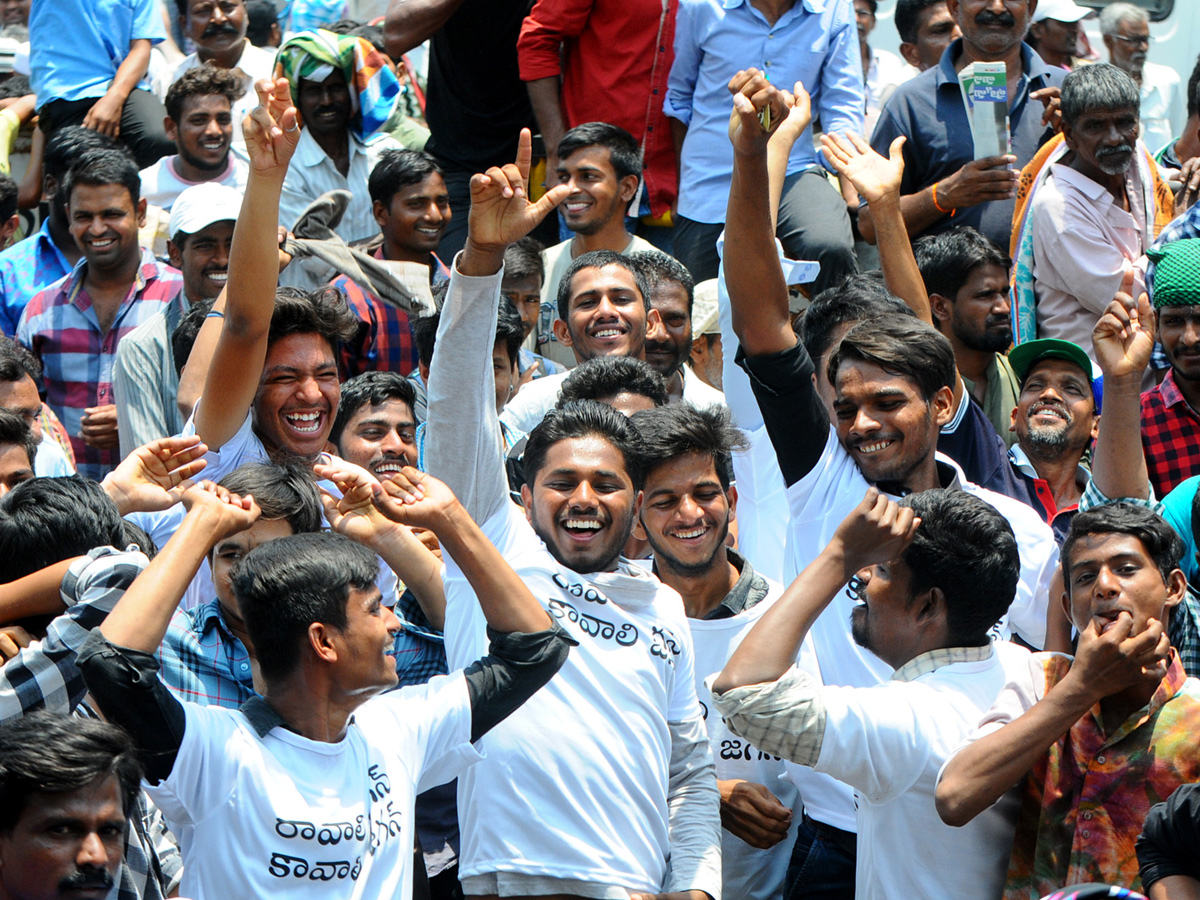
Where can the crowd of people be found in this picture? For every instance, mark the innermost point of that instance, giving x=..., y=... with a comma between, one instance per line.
x=462, y=448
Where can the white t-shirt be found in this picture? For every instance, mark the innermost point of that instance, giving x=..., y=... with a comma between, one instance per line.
x=890, y=742
x=285, y=816
x=588, y=756
x=747, y=873
x=162, y=184
x=51, y=460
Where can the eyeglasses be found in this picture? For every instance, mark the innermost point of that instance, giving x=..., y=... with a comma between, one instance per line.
x=1137, y=40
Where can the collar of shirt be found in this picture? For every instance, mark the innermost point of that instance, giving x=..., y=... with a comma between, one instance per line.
x=943, y=656
x=949, y=475
x=45, y=243
x=1022, y=463
x=812, y=6
x=261, y=716
x=1033, y=68
x=747, y=592
x=1170, y=392
x=1167, y=688
x=309, y=152
x=148, y=271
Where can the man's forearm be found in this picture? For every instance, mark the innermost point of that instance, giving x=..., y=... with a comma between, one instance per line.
x=418, y=568
x=546, y=99
x=1119, y=464
x=132, y=69
x=410, y=23
x=900, y=271
x=37, y=594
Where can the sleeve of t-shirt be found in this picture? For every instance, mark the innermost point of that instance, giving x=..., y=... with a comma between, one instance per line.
x=1020, y=694
x=875, y=739
x=147, y=22
x=1170, y=840
x=205, y=770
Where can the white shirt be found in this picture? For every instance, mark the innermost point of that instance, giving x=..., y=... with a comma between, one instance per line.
x=312, y=173
x=51, y=460
x=530, y=807
x=161, y=183
x=284, y=816
x=256, y=63
x=1163, y=108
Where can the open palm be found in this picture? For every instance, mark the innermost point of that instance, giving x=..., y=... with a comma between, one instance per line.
x=873, y=176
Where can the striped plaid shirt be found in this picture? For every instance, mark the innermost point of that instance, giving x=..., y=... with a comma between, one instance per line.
x=1170, y=436
x=62, y=329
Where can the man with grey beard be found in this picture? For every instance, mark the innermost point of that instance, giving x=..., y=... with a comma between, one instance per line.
x=1092, y=209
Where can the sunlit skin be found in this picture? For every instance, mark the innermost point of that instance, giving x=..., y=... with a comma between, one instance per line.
x=1112, y=573
x=993, y=28
x=204, y=260
x=415, y=219
x=297, y=395
x=685, y=515
x=202, y=136
x=366, y=646
x=936, y=30
x=671, y=344
x=598, y=198
x=1056, y=41
x=228, y=553
x=627, y=403
x=382, y=439
x=978, y=318
x=606, y=315
x=21, y=397
x=1055, y=409
x=218, y=29
x=1129, y=53
x=582, y=503
x=525, y=294
x=887, y=622
x=15, y=467
x=1102, y=145
x=1179, y=332
x=104, y=222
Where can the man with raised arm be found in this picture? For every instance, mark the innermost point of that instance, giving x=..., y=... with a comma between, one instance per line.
x=611, y=761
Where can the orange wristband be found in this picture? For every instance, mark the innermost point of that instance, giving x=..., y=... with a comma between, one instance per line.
x=938, y=206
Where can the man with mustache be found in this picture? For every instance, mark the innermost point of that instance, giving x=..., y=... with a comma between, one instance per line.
x=1126, y=32
x=1091, y=216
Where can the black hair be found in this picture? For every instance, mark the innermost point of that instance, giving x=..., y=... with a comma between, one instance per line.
x=966, y=549
x=14, y=85
x=1193, y=90
x=947, y=260
x=908, y=17
x=49, y=753
x=873, y=4
x=523, y=259
x=202, y=81
x=623, y=150
x=183, y=338
x=1159, y=539
x=323, y=311
x=283, y=489
x=8, y=198
x=370, y=389
x=584, y=418
x=15, y=430
x=68, y=144
x=670, y=432
x=606, y=377
x=398, y=169
x=424, y=332
x=658, y=268
x=1100, y=86
x=260, y=16
x=900, y=345
x=16, y=362
x=510, y=330
x=100, y=168
x=599, y=259
x=853, y=299
x=47, y=520
x=284, y=586
x=373, y=35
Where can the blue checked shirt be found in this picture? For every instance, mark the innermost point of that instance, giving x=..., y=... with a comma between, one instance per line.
x=25, y=268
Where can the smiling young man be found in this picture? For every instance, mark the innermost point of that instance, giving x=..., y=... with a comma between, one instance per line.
x=1091, y=743
x=75, y=325
x=624, y=709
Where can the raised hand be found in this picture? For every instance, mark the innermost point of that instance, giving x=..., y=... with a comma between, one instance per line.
x=876, y=179
x=413, y=498
x=156, y=475
x=272, y=129
x=222, y=512
x=798, y=118
x=1123, y=338
x=354, y=514
x=759, y=109
x=879, y=529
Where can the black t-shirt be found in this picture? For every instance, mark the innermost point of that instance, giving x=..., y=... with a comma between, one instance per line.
x=476, y=103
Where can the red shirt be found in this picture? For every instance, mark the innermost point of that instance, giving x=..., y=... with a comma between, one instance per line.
x=615, y=59
x=1170, y=436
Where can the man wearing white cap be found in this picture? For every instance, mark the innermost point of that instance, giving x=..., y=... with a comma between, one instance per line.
x=1054, y=31
x=707, y=355
x=145, y=376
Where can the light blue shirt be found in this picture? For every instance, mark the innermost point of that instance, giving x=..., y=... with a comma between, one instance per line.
x=76, y=46
x=814, y=42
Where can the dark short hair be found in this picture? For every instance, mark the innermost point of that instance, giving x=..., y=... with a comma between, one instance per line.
x=47, y=520
x=8, y=198
x=16, y=362
x=853, y=299
x=260, y=16
x=204, y=80
x=15, y=430
x=584, y=418
x=672, y=431
x=908, y=17
x=659, y=268
x=183, y=338
x=523, y=259
x=424, y=332
x=1159, y=539
x=323, y=311
x=967, y=549
x=510, y=330
x=284, y=490
x=49, y=753
x=873, y=4
x=68, y=144
x=598, y=259
x=370, y=389
x=623, y=151
x=372, y=34
x=284, y=586
x=900, y=345
x=398, y=169
x=606, y=377
x=947, y=260
x=100, y=168
x=1100, y=86
x=1193, y=90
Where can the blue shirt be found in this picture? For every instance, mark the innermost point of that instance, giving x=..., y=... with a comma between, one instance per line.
x=76, y=46
x=814, y=42
x=25, y=268
x=1177, y=510
x=929, y=111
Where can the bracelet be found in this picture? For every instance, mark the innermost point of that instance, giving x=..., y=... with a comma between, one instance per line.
x=220, y=315
x=937, y=205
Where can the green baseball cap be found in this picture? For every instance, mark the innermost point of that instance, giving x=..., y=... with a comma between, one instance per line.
x=1023, y=357
x=1176, y=273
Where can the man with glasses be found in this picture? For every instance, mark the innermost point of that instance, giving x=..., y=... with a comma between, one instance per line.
x=1126, y=31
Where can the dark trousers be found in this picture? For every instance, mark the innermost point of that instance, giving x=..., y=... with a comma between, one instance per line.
x=813, y=224
x=822, y=864
x=141, y=123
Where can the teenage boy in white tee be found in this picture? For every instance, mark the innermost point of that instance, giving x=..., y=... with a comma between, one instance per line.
x=603, y=787
x=310, y=787
x=687, y=507
x=932, y=576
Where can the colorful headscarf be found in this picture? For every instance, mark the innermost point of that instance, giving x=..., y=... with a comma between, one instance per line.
x=313, y=55
x=1176, y=273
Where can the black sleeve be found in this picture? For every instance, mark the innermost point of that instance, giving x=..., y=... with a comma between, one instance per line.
x=126, y=687
x=517, y=666
x=1170, y=840
x=792, y=410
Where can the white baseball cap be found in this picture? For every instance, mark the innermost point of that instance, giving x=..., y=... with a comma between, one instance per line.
x=704, y=308
x=200, y=205
x=1060, y=11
